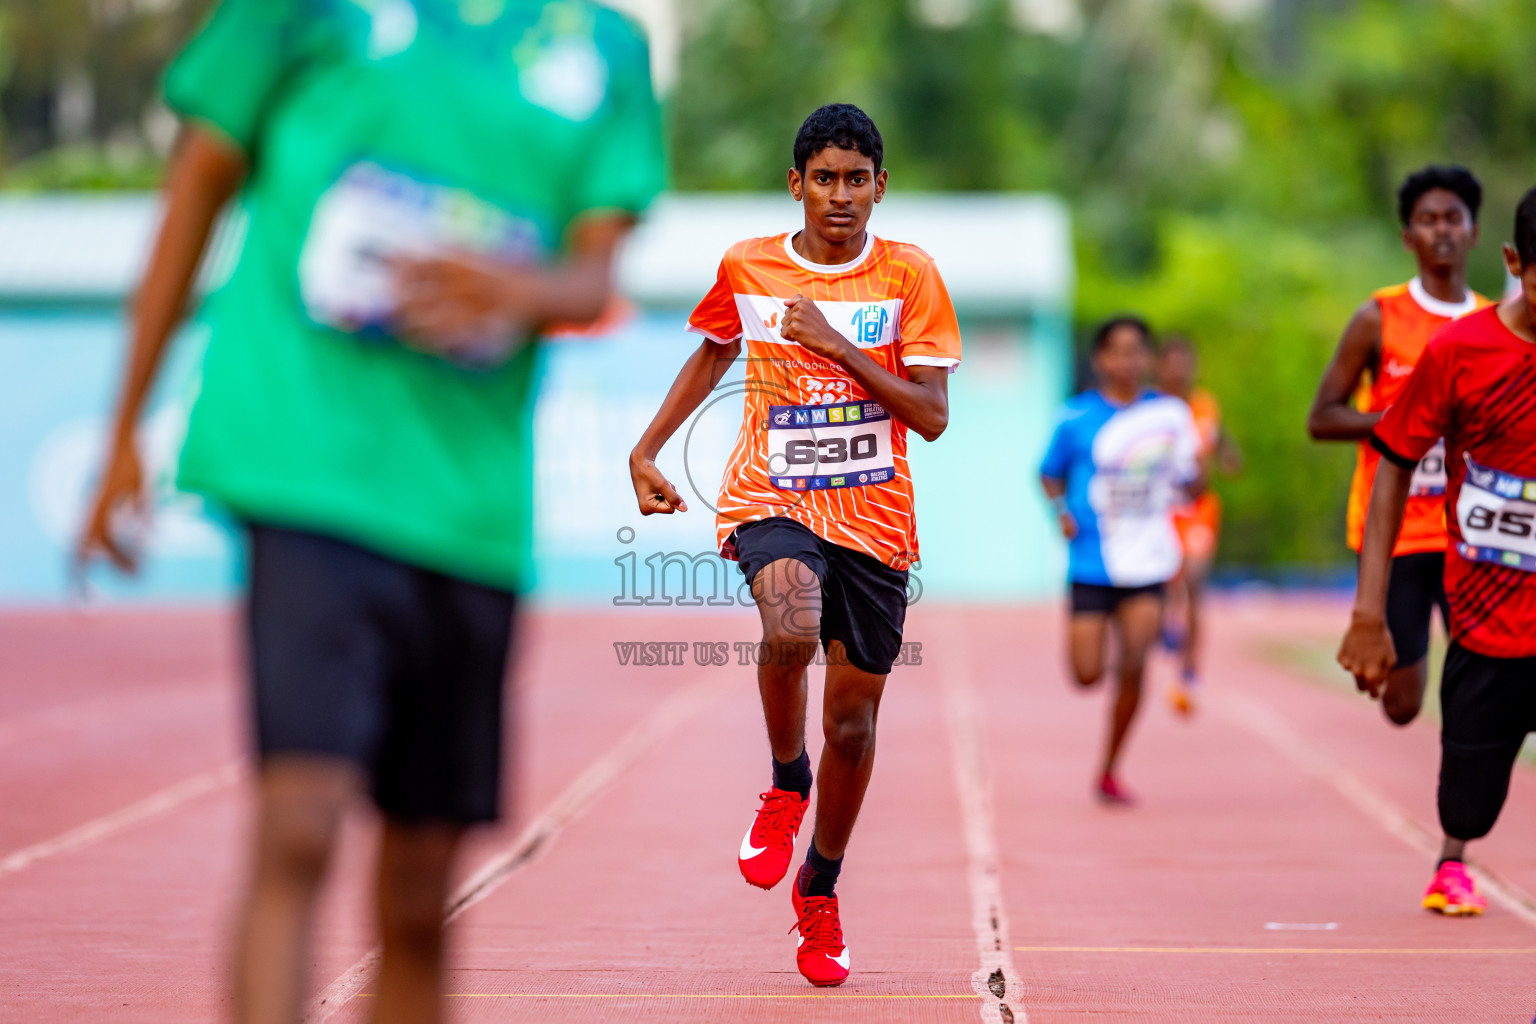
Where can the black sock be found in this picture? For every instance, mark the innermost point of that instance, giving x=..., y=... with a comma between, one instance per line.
x=794, y=776
x=818, y=875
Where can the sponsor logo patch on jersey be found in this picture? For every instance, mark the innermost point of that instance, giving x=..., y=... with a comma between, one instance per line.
x=869, y=323
x=824, y=390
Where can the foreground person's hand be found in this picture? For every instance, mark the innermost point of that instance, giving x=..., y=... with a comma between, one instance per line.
x=463, y=308
x=119, y=497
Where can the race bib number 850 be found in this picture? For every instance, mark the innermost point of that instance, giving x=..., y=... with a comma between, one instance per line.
x=817, y=447
x=1497, y=515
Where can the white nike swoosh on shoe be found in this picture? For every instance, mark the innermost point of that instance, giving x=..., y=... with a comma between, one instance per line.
x=748, y=851
x=842, y=959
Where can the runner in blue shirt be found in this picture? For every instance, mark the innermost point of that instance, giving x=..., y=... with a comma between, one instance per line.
x=1121, y=458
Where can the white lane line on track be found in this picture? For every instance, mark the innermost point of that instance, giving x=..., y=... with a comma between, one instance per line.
x=1263, y=721
x=108, y=825
x=995, y=982
x=541, y=832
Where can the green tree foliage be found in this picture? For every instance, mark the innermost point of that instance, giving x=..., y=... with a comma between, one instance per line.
x=1230, y=177
x=79, y=89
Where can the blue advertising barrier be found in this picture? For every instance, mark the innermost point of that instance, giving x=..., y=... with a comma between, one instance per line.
x=68, y=261
x=984, y=532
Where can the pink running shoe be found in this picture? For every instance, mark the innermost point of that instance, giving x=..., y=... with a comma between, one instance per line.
x=1112, y=794
x=1453, y=893
x=769, y=844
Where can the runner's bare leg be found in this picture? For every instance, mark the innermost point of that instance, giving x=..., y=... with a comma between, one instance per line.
x=1137, y=621
x=788, y=596
x=1087, y=634
x=414, y=865
x=300, y=803
x=850, y=711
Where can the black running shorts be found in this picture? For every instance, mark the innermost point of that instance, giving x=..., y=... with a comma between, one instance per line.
x=1415, y=588
x=1097, y=599
x=863, y=600
x=395, y=668
x=1487, y=705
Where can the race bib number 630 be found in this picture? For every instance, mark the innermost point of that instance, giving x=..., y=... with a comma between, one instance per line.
x=817, y=447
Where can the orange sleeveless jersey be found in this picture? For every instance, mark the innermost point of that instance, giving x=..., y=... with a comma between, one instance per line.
x=1409, y=318
x=1199, y=521
x=812, y=445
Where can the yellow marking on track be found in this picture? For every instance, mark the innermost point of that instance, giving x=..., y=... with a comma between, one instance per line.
x=1382, y=951
x=696, y=995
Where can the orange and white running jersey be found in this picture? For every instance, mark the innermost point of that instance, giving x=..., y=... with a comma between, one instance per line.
x=812, y=445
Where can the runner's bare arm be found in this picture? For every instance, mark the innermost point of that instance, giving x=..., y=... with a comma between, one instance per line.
x=921, y=403
x=445, y=300
x=698, y=377
x=1056, y=493
x=205, y=172
x=1367, y=652
x=1332, y=417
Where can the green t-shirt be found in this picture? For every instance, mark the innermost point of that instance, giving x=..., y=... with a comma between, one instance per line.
x=485, y=124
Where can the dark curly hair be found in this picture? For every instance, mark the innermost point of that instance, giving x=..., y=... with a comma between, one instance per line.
x=1525, y=229
x=842, y=125
x=1451, y=178
x=1110, y=326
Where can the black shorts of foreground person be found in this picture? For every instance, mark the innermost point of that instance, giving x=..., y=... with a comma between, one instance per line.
x=392, y=667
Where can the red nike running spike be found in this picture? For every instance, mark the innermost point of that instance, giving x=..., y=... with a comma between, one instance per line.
x=769, y=844
x=823, y=956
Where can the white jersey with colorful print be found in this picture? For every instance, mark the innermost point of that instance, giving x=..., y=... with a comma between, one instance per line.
x=1125, y=468
x=813, y=446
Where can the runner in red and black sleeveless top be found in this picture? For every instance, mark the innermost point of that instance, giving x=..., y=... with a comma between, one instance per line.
x=1475, y=386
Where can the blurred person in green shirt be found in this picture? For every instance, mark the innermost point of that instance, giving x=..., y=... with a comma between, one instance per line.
x=429, y=183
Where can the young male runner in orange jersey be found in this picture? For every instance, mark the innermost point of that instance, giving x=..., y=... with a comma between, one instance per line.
x=1438, y=208
x=1198, y=521
x=850, y=340
x=1475, y=387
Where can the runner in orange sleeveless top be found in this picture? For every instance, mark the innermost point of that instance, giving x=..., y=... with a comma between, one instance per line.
x=1199, y=521
x=1438, y=208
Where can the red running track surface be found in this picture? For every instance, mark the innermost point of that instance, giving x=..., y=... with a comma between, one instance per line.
x=1288, y=801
